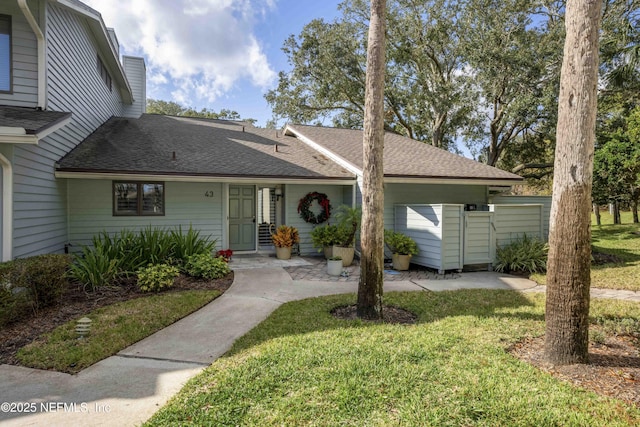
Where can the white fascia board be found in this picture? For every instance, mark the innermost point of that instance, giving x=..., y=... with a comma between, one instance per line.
x=330, y=154
x=16, y=135
x=453, y=181
x=185, y=178
x=104, y=41
x=51, y=129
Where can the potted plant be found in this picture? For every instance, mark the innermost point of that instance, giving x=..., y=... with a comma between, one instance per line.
x=349, y=223
x=402, y=248
x=334, y=266
x=324, y=237
x=283, y=239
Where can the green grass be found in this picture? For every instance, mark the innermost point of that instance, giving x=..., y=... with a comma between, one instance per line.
x=113, y=328
x=301, y=366
x=622, y=241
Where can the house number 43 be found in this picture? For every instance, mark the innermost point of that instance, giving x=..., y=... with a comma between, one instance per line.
x=208, y=193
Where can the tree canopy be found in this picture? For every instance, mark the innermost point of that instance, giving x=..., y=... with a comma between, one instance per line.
x=171, y=108
x=480, y=72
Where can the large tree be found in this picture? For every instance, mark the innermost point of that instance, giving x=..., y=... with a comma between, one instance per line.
x=569, y=265
x=372, y=233
x=426, y=96
x=515, y=66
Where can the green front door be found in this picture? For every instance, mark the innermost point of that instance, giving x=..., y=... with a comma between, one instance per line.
x=242, y=217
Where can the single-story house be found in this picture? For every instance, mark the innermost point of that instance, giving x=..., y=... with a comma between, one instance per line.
x=231, y=180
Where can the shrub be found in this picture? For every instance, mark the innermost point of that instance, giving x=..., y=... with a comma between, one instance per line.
x=399, y=243
x=191, y=243
x=325, y=235
x=15, y=303
x=207, y=266
x=525, y=254
x=45, y=276
x=156, y=277
x=94, y=268
x=30, y=284
x=126, y=252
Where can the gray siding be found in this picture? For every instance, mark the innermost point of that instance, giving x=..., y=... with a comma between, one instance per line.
x=136, y=75
x=395, y=194
x=73, y=84
x=437, y=230
x=24, y=58
x=293, y=193
x=90, y=210
x=545, y=201
x=479, y=245
x=513, y=221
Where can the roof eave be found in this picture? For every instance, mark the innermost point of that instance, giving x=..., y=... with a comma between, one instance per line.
x=451, y=180
x=19, y=135
x=104, y=43
x=195, y=177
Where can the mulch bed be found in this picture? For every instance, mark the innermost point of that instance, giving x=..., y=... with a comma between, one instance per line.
x=613, y=369
x=78, y=303
x=390, y=314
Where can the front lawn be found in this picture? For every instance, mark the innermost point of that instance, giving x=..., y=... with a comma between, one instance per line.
x=621, y=241
x=113, y=328
x=302, y=366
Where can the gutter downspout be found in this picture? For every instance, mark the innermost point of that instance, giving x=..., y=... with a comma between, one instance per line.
x=42, y=94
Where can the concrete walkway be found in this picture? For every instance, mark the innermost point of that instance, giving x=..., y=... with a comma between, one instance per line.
x=128, y=388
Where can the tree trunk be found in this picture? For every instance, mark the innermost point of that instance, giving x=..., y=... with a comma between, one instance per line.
x=635, y=194
x=372, y=232
x=596, y=212
x=569, y=265
x=616, y=213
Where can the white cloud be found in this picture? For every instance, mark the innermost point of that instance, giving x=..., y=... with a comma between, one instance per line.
x=196, y=49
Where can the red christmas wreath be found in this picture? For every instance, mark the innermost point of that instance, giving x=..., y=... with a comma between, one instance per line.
x=305, y=204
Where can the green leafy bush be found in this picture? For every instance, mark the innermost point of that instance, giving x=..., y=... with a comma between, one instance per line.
x=399, y=243
x=525, y=254
x=124, y=253
x=94, y=268
x=15, y=303
x=207, y=266
x=30, y=284
x=45, y=276
x=190, y=243
x=156, y=277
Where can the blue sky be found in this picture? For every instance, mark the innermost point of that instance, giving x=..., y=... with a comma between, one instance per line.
x=211, y=53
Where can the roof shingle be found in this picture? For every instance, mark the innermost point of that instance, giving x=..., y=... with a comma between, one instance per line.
x=403, y=157
x=202, y=148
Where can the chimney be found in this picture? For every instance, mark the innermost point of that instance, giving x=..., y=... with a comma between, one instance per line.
x=136, y=71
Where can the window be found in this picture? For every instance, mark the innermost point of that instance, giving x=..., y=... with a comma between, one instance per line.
x=5, y=53
x=138, y=198
x=104, y=74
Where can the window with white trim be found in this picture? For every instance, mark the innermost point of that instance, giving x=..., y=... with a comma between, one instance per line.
x=138, y=198
x=5, y=53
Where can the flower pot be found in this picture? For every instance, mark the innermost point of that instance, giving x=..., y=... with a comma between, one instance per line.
x=328, y=252
x=283, y=253
x=334, y=267
x=345, y=253
x=401, y=262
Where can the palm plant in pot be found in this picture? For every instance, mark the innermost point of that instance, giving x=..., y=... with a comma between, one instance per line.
x=402, y=248
x=349, y=223
x=283, y=239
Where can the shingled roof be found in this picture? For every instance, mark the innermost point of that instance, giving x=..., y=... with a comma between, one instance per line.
x=31, y=120
x=403, y=157
x=202, y=147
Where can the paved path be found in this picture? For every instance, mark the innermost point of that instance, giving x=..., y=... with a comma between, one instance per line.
x=126, y=389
